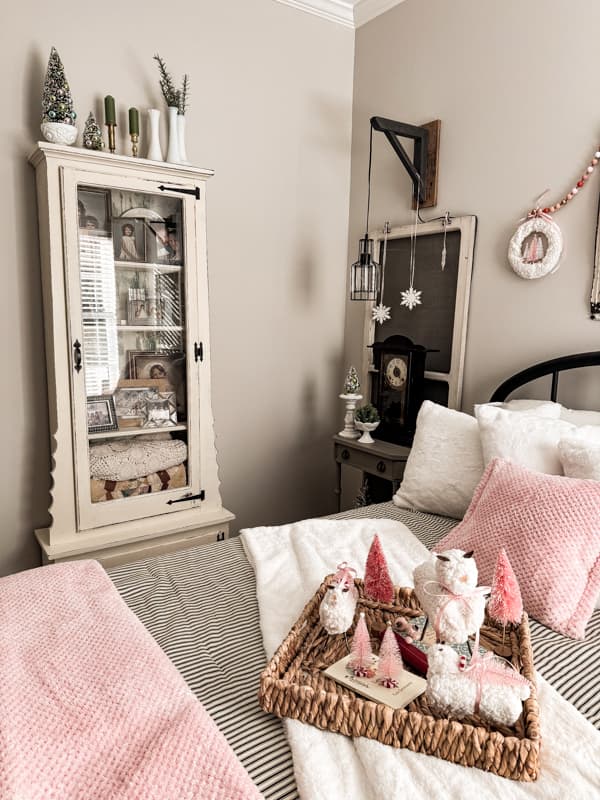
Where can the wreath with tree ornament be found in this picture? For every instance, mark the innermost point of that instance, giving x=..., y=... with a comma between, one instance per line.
x=537, y=244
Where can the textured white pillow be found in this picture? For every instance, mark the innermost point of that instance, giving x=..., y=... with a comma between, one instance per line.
x=445, y=463
x=543, y=408
x=579, y=418
x=526, y=439
x=579, y=453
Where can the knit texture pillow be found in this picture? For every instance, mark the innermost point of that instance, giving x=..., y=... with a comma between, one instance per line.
x=550, y=527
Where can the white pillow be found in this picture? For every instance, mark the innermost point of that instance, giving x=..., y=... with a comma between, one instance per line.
x=445, y=463
x=579, y=453
x=526, y=439
x=579, y=418
x=543, y=408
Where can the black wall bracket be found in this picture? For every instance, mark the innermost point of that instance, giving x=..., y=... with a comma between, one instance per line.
x=423, y=168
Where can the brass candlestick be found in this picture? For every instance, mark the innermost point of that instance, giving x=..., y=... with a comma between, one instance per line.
x=111, y=136
x=134, y=144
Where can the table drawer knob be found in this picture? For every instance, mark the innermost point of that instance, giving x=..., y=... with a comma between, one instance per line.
x=345, y=454
x=381, y=466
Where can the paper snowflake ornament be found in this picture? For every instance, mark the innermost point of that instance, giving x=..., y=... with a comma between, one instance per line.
x=381, y=313
x=410, y=298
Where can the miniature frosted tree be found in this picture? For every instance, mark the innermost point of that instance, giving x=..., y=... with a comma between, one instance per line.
x=361, y=654
x=505, y=604
x=92, y=135
x=378, y=584
x=352, y=384
x=390, y=664
x=57, y=103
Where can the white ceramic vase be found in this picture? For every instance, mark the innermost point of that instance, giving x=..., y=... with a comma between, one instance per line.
x=181, y=133
x=59, y=132
x=366, y=428
x=154, y=148
x=173, y=149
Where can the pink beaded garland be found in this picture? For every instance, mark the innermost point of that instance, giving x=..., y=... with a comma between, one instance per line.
x=580, y=183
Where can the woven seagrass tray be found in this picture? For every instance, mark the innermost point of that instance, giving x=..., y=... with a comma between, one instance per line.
x=293, y=685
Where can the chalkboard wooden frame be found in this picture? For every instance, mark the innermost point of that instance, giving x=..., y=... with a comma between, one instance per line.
x=466, y=226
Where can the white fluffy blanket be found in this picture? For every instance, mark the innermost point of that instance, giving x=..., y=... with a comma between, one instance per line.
x=290, y=562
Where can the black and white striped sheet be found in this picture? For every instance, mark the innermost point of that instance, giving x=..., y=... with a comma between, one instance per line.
x=200, y=605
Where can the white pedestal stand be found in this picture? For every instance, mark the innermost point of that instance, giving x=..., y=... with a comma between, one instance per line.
x=350, y=431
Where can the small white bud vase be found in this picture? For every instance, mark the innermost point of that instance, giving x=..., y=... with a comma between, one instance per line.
x=154, y=148
x=181, y=133
x=173, y=150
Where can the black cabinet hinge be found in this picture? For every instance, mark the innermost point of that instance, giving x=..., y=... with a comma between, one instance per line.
x=180, y=190
x=186, y=497
x=198, y=351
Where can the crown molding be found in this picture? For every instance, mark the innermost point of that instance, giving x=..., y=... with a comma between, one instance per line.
x=350, y=13
x=366, y=10
x=340, y=11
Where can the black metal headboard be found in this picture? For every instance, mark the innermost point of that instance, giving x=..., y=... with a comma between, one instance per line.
x=553, y=367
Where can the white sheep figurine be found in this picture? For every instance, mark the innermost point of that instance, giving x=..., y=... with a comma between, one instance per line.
x=486, y=686
x=446, y=587
x=337, y=608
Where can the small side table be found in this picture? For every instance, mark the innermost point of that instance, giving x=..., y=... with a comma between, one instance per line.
x=382, y=459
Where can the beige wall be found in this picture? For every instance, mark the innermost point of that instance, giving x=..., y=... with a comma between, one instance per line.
x=515, y=85
x=271, y=113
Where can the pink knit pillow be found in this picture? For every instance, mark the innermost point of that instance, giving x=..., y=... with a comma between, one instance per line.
x=550, y=527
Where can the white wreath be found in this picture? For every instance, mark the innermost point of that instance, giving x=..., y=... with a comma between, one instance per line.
x=549, y=262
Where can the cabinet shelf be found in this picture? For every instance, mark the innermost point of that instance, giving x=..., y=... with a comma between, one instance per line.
x=137, y=265
x=135, y=432
x=149, y=327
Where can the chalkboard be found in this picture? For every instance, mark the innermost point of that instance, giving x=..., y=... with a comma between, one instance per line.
x=431, y=323
x=440, y=321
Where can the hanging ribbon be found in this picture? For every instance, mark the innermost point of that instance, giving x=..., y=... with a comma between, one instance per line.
x=451, y=597
x=345, y=574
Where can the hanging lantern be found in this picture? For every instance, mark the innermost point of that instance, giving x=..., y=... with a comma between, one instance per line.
x=365, y=273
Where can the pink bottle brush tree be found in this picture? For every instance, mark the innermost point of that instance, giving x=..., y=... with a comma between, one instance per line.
x=378, y=584
x=361, y=654
x=505, y=604
x=389, y=667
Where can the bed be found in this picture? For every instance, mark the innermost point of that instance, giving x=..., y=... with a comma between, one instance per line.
x=200, y=605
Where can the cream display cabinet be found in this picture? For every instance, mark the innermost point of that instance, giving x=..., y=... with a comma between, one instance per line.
x=123, y=248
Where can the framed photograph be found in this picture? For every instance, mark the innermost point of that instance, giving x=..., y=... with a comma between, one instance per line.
x=129, y=239
x=93, y=209
x=156, y=365
x=130, y=400
x=164, y=240
x=161, y=410
x=150, y=311
x=101, y=414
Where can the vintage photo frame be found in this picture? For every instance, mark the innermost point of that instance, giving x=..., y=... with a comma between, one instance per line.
x=165, y=242
x=101, y=414
x=155, y=365
x=130, y=398
x=94, y=211
x=161, y=410
x=129, y=239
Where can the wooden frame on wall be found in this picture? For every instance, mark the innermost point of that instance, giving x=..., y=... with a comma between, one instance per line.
x=438, y=325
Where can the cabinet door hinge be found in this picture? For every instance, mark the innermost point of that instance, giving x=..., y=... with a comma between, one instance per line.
x=221, y=536
x=198, y=351
x=195, y=191
x=186, y=497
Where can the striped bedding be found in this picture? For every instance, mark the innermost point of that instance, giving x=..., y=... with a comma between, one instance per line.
x=200, y=605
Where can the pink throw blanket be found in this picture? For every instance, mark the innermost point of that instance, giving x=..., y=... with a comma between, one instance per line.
x=91, y=707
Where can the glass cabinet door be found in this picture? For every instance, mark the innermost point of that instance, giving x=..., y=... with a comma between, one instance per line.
x=130, y=340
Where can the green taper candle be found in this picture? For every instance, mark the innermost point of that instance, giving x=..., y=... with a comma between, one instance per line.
x=134, y=121
x=110, y=115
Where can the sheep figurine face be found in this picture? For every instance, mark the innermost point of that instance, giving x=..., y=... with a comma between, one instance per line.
x=446, y=587
x=486, y=687
x=337, y=608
